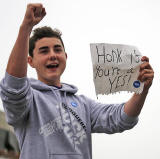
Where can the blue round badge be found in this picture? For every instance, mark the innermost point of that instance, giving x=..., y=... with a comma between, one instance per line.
x=74, y=104
x=136, y=84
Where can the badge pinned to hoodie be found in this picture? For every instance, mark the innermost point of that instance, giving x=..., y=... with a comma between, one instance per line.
x=115, y=68
x=74, y=104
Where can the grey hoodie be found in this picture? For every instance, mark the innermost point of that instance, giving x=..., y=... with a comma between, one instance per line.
x=55, y=123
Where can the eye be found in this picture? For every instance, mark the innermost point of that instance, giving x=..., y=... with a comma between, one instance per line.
x=44, y=51
x=58, y=50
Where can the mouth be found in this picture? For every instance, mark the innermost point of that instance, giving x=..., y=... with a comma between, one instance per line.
x=52, y=66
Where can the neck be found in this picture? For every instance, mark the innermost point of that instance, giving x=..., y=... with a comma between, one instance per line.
x=55, y=83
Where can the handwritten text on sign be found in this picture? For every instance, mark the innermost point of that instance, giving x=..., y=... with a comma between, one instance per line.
x=115, y=68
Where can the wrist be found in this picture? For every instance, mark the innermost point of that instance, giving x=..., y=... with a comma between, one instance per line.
x=143, y=94
x=145, y=91
x=26, y=28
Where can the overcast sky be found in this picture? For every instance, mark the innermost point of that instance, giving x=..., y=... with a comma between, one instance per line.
x=133, y=22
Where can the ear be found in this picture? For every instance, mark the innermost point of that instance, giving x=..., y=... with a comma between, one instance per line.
x=66, y=55
x=30, y=61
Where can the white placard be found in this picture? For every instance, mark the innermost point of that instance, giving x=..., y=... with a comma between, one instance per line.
x=115, y=68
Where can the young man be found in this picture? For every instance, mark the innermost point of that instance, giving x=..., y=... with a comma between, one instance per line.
x=49, y=119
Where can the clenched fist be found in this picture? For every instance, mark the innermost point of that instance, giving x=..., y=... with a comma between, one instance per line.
x=34, y=14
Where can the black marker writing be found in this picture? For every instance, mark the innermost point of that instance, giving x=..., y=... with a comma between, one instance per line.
x=137, y=57
x=115, y=69
x=130, y=70
x=119, y=81
x=100, y=72
x=117, y=54
x=111, y=83
x=101, y=55
x=113, y=56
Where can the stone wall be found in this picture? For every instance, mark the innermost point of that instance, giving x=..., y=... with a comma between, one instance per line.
x=4, y=153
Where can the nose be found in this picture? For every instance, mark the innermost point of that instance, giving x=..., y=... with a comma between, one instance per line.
x=52, y=55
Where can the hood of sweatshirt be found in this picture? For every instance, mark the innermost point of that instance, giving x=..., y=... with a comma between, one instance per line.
x=38, y=85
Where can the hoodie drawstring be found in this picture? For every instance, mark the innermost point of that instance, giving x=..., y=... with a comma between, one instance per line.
x=70, y=120
x=59, y=107
x=60, y=112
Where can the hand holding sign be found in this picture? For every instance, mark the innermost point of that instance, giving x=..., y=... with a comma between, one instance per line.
x=116, y=68
x=146, y=74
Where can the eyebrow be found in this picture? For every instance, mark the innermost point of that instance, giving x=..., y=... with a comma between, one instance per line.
x=46, y=47
x=55, y=46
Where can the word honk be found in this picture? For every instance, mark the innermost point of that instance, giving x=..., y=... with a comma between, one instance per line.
x=115, y=68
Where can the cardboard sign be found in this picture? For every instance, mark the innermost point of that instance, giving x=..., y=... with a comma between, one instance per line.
x=115, y=68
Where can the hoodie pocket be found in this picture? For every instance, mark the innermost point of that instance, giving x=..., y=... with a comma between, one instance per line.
x=66, y=156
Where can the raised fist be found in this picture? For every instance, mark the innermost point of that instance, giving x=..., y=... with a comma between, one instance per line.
x=34, y=14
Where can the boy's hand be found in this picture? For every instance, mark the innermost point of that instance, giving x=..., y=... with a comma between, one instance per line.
x=34, y=14
x=146, y=74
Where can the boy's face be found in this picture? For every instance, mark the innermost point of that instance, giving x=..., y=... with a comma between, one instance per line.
x=49, y=60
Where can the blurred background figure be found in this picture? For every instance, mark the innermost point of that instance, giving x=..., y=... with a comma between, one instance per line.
x=8, y=143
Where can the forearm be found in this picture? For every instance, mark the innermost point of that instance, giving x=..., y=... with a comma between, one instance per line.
x=17, y=64
x=16, y=96
x=134, y=105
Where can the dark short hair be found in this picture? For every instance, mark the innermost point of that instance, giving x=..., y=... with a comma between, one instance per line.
x=40, y=33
